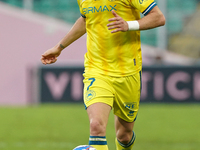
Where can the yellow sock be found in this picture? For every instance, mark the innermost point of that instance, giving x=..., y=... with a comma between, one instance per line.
x=98, y=142
x=121, y=146
x=100, y=147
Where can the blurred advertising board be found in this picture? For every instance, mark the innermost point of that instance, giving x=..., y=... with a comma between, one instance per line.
x=171, y=84
x=159, y=84
x=61, y=84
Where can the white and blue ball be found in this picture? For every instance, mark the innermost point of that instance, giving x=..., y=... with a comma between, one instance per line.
x=84, y=147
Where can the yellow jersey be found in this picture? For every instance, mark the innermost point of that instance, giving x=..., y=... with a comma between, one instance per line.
x=114, y=54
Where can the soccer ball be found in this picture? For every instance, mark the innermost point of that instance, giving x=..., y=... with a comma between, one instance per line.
x=84, y=147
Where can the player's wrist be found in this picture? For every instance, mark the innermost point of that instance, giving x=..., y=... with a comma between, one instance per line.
x=133, y=25
x=61, y=46
x=58, y=48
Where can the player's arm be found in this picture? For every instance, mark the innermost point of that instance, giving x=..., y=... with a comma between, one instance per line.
x=153, y=19
x=78, y=29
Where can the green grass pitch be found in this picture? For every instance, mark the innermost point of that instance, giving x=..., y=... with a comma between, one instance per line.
x=65, y=126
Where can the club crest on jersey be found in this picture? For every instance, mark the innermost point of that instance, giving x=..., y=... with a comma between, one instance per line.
x=99, y=9
x=141, y=1
x=90, y=94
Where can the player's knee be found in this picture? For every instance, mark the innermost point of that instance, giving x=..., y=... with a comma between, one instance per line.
x=97, y=128
x=124, y=137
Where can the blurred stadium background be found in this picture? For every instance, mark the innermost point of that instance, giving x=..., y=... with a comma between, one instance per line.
x=41, y=106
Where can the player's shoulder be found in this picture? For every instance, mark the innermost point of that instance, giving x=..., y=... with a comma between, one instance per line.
x=141, y=2
x=80, y=1
x=144, y=6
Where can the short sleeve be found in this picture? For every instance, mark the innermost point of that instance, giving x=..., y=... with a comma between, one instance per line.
x=144, y=6
x=80, y=8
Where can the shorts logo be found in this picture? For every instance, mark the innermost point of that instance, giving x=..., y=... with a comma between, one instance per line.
x=90, y=94
x=130, y=106
x=131, y=114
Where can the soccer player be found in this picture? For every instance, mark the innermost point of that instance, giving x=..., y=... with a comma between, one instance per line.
x=113, y=63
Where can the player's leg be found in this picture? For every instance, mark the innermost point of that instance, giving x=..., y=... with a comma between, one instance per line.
x=125, y=137
x=98, y=99
x=126, y=106
x=98, y=116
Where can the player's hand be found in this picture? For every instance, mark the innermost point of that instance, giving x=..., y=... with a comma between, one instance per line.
x=50, y=56
x=117, y=23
